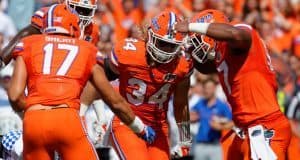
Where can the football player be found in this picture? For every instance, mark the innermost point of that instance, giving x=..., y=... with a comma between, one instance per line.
x=55, y=67
x=85, y=9
x=238, y=54
x=149, y=73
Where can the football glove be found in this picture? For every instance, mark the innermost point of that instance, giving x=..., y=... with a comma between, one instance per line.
x=143, y=131
x=148, y=134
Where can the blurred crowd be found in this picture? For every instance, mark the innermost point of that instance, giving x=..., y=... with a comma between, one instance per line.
x=277, y=21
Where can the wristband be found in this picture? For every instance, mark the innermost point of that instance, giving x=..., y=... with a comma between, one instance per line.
x=199, y=27
x=137, y=125
x=184, y=133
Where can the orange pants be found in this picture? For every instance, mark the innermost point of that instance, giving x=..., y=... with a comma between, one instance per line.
x=294, y=148
x=129, y=146
x=240, y=148
x=226, y=143
x=60, y=130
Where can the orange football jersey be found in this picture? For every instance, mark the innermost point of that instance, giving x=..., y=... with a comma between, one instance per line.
x=147, y=88
x=91, y=33
x=58, y=68
x=248, y=80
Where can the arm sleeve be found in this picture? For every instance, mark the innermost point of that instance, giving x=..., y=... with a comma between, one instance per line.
x=113, y=57
x=19, y=49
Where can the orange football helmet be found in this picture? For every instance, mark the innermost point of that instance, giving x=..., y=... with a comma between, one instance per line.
x=163, y=43
x=203, y=46
x=60, y=20
x=84, y=8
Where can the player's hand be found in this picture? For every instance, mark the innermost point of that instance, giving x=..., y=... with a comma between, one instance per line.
x=148, y=134
x=181, y=26
x=142, y=130
x=180, y=151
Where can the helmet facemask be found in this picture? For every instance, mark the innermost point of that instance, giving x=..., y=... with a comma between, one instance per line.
x=202, y=51
x=84, y=11
x=162, y=49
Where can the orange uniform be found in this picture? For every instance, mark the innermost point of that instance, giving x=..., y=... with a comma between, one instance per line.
x=91, y=31
x=58, y=68
x=294, y=148
x=148, y=90
x=250, y=86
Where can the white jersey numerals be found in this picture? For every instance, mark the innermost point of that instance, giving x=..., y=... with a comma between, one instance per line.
x=66, y=64
x=130, y=44
x=223, y=67
x=138, y=96
x=160, y=96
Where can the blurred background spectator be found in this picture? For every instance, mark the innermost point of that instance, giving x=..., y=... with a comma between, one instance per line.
x=214, y=116
x=7, y=27
x=20, y=12
x=9, y=121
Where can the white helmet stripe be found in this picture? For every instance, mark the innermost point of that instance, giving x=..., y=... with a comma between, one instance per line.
x=171, y=22
x=173, y=18
x=50, y=16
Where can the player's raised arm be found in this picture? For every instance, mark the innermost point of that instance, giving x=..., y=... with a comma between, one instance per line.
x=17, y=85
x=237, y=37
x=119, y=105
x=5, y=54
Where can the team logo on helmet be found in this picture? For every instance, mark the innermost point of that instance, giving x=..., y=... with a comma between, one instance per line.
x=205, y=18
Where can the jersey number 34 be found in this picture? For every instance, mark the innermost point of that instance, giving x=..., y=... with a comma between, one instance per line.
x=137, y=97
